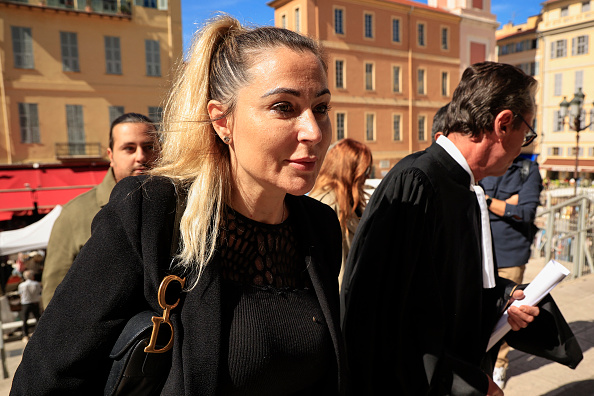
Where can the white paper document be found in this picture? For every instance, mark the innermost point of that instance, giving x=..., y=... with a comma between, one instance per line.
x=545, y=281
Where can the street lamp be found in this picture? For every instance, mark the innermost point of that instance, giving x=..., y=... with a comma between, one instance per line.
x=574, y=110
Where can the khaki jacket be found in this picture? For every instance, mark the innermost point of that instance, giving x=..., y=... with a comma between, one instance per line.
x=70, y=232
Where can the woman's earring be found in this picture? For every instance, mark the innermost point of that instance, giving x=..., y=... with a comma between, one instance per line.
x=226, y=139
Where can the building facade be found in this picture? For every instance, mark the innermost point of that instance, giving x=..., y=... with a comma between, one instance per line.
x=392, y=64
x=68, y=68
x=554, y=46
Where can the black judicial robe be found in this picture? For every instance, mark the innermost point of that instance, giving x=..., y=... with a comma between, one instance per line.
x=416, y=319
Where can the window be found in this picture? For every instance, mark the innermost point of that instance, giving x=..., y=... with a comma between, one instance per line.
x=445, y=38
x=69, y=44
x=29, y=122
x=557, y=121
x=369, y=76
x=558, y=84
x=445, y=77
x=519, y=46
x=340, y=125
x=339, y=73
x=396, y=78
x=564, y=11
x=396, y=30
x=421, y=34
x=22, y=47
x=153, y=58
x=572, y=150
x=155, y=113
x=146, y=3
x=339, y=21
x=421, y=81
x=554, y=151
x=113, y=57
x=396, y=121
x=579, y=80
x=284, y=21
x=370, y=127
x=592, y=119
x=421, y=123
x=76, y=129
x=368, y=25
x=585, y=6
x=297, y=20
x=579, y=45
x=115, y=112
x=558, y=49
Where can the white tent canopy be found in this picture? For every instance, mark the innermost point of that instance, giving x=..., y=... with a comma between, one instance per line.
x=32, y=237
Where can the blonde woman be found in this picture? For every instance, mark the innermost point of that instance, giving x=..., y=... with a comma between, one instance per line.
x=340, y=185
x=246, y=131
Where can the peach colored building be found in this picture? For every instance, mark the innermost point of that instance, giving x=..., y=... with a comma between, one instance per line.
x=554, y=46
x=68, y=68
x=392, y=65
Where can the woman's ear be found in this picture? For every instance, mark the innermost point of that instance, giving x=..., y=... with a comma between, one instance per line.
x=220, y=121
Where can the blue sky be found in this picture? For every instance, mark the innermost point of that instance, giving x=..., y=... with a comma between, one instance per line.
x=195, y=12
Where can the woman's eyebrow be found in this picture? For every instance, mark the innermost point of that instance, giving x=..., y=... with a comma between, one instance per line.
x=293, y=92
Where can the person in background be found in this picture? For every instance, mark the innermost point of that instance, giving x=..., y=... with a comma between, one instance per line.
x=340, y=185
x=420, y=292
x=132, y=150
x=439, y=122
x=30, y=292
x=246, y=129
x=512, y=200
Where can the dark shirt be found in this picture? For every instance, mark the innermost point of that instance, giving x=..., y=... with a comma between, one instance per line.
x=514, y=231
x=274, y=338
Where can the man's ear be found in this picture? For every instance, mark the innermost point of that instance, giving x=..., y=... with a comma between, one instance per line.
x=220, y=121
x=503, y=123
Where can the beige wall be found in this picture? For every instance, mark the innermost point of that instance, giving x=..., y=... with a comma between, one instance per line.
x=94, y=89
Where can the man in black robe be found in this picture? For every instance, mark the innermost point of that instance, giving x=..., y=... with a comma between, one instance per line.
x=420, y=293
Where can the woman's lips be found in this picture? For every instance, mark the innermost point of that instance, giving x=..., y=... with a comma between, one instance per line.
x=304, y=164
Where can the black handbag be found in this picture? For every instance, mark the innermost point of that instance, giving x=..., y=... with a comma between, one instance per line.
x=142, y=353
x=141, y=356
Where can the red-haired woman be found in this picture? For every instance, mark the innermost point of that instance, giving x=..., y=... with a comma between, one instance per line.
x=340, y=185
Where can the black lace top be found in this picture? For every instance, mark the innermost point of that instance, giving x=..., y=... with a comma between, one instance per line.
x=275, y=340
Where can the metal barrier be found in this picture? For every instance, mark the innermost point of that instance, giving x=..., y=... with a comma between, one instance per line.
x=567, y=232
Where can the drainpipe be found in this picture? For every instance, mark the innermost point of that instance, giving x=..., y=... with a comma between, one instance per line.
x=5, y=115
x=411, y=122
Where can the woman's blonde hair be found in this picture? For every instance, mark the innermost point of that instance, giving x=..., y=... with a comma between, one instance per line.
x=345, y=169
x=193, y=155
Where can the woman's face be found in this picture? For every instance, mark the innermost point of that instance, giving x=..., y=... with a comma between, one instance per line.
x=280, y=129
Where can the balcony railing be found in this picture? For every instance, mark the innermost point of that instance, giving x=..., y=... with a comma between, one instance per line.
x=78, y=151
x=100, y=6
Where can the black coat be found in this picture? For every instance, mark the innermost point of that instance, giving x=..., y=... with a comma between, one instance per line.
x=117, y=274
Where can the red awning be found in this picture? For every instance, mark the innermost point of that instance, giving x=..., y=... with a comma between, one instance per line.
x=21, y=189
x=568, y=165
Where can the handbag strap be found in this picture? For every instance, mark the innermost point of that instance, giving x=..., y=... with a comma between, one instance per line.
x=162, y=293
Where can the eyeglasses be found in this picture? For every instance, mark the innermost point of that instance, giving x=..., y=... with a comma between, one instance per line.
x=530, y=135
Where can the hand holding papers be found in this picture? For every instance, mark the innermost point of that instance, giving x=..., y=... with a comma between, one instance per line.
x=545, y=281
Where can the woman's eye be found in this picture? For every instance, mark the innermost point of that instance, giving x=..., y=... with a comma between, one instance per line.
x=282, y=107
x=322, y=109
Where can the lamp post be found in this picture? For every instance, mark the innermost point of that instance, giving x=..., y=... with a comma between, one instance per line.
x=574, y=110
